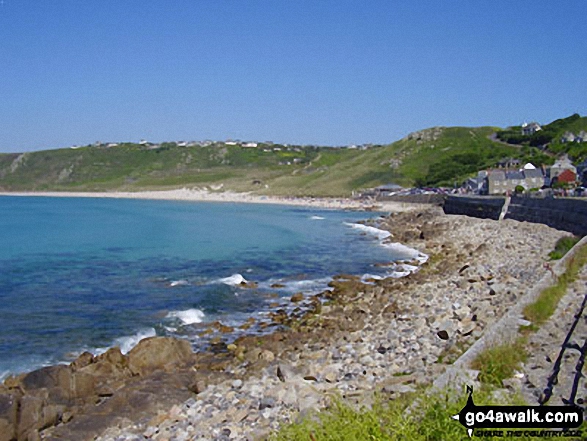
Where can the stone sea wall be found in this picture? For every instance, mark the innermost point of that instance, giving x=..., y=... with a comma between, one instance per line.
x=481, y=207
x=563, y=214
x=567, y=214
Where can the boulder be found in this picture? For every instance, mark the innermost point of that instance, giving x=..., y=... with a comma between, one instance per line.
x=82, y=361
x=158, y=353
x=297, y=297
x=111, y=365
x=8, y=416
x=54, y=381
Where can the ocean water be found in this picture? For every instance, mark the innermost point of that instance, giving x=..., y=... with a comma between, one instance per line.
x=86, y=273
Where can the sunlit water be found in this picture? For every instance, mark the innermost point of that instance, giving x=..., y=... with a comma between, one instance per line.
x=86, y=274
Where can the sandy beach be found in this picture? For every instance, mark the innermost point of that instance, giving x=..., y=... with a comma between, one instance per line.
x=193, y=195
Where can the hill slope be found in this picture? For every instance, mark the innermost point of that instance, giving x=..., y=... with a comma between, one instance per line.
x=436, y=156
x=549, y=138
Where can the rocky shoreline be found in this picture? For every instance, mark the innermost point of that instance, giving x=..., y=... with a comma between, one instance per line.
x=355, y=340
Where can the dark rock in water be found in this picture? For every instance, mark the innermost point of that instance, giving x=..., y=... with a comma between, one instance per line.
x=158, y=353
x=277, y=285
x=443, y=335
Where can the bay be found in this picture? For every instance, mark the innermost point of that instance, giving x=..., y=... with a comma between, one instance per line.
x=88, y=273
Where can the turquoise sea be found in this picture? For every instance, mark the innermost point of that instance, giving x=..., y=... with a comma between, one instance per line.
x=87, y=273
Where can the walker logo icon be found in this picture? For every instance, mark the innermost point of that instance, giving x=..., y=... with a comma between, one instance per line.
x=519, y=417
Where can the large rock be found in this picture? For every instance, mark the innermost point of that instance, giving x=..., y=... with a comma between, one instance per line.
x=159, y=353
x=111, y=365
x=8, y=413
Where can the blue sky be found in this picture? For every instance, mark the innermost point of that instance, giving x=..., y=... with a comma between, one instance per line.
x=310, y=72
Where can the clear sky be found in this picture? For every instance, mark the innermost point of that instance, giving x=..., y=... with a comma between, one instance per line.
x=329, y=72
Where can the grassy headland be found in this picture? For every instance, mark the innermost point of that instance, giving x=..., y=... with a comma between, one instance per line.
x=430, y=157
x=439, y=156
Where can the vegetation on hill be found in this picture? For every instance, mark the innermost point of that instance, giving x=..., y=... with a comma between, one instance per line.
x=434, y=157
x=550, y=137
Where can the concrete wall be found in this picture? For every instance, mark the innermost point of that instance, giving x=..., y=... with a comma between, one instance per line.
x=568, y=214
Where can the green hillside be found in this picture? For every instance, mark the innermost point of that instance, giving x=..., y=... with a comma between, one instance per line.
x=549, y=138
x=431, y=157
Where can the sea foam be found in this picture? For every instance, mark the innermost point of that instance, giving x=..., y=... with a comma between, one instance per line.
x=234, y=280
x=128, y=342
x=380, y=234
x=188, y=317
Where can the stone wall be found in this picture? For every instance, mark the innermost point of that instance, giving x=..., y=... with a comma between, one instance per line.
x=437, y=199
x=481, y=207
x=568, y=214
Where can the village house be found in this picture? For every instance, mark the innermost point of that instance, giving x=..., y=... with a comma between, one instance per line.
x=562, y=164
x=566, y=177
x=530, y=129
x=571, y=137
x=499, y=181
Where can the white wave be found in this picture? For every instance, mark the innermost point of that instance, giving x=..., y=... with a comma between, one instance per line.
x=234, y=280
x=188, y=317
x=129, y=342
x=309, y=286
x=179, y=283
x=316, y=218
x=368, y=278
x=406, y=251
x=380, y=234
x=4, y=375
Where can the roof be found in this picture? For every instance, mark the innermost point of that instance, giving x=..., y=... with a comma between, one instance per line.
x=514, y=175
x=389, y=187
x=567, y=176
x=533, y=173
x=496, y=175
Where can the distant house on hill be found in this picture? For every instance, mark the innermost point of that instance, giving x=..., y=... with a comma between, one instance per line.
x=571, y=137
x=509, y=163
x=530, y=129
x=568, y=137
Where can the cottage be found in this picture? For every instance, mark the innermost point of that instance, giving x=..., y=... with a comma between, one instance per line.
x=568, y=137
x=562, y=164
x=566, y=177
x=509, y=163
x=495, y=182
x=506, y=181
x=533, y=178
x=530, y=129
